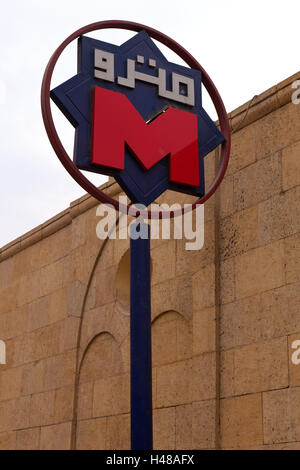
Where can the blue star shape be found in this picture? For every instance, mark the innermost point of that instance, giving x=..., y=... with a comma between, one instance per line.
x=74, y=99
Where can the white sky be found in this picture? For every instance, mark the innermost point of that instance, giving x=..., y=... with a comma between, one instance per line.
x=245, y=46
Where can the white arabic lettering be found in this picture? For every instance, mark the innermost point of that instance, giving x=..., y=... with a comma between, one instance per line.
x=182, y=86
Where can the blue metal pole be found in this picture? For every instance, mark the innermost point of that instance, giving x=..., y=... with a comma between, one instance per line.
x=140, y=340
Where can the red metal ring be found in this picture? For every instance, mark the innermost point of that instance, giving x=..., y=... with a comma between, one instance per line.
x=66, y=160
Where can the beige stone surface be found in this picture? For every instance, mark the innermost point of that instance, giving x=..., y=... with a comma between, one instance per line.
x=78, y=231
x=257, y=182
x=260, y=270
x=8, y=299
x=81, y=263
x=91, y=434
x=164, y=428
x=255, y=368
x=292, y=258
x=10, y=383
x=76, y=293
x=119, y=325
x=51, y=277
x=118, y=432
x=111, y=396
x=179, y=346
x=28, y=439
x=39, y=313
x=154, y=387
x=164, y=297
x=277, y=130
x=291, y=166
x=204, y=288
x=14, y=323
x=6, y=413
x=106, y=279
x=95, y=322
x=164, y=352
x=64, y=404
x=184, y=432
x=20, y=264
x=54, y=247
x=243, y=149
x=191, y=261
x=227, y=373
x=119, y=247
x=238, y=233
x=279, y=216
x=241, y=422
x=281, y=415
x=60, y=370
x=163, y=259
x=85, y=400
x=226, y=197
x=103, y=359
x=69, y=334
x=56, y=437
x=42, y=407
x=6, y=272
x=263, y=316
x=37, y=345
x=58, y=305
x=204, y=424
x=227, y=281
x=204, y=377
x=284, y=446
x=174, y=384
x=33, y=378
x=15, y=414
x=8, y=440
x=204, y=330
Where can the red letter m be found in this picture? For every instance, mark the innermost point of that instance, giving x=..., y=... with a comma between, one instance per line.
x=174, y=133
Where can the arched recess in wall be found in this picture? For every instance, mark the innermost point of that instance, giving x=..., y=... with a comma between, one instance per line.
x=122, y=284
x=172, y=381
x=103, y=397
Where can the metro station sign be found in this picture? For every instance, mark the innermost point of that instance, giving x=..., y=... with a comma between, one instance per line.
x=138, y=118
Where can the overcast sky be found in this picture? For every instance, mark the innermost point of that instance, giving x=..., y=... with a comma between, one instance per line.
x=245, y=46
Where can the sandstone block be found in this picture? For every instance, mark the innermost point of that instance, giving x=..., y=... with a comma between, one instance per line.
x=241, y=422
x=111, y=396
x=174, y=384
x=204, y=331
x=28, y=439
x=184, y=433
x=204, y=288
x=291, y=166
x=204, y=377
x=204, y=424
x=91, y=434
x=281, y=416
x=257, y=367
x=260, y=270
x=8, y=440
x=56, y=437
x=118, y=432
x=164, y=428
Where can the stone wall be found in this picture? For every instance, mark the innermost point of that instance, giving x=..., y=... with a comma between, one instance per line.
x=223, y=318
